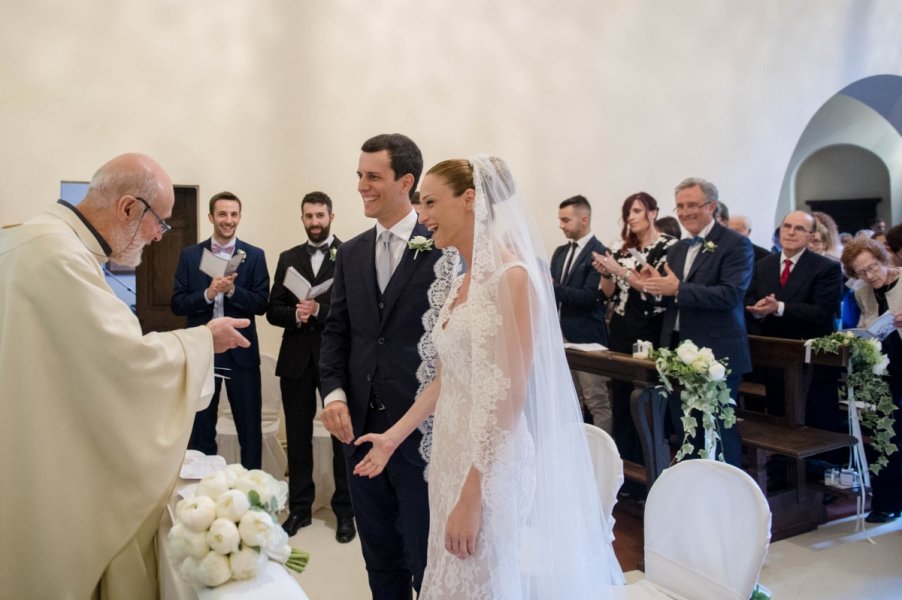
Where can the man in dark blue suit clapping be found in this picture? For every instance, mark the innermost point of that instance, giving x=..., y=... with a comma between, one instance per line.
x=705, y=282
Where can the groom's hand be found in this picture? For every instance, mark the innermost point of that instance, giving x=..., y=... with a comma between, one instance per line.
x=337, y=419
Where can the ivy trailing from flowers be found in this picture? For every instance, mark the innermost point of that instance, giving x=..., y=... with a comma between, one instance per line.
x=868, y=384
x=704, y=395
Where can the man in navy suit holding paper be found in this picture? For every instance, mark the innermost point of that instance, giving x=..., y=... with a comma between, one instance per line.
x=369, y=359
x=705, y=282
x=241, y=294
x=298, y=364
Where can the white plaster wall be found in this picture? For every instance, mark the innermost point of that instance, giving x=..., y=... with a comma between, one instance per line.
x=272, y=98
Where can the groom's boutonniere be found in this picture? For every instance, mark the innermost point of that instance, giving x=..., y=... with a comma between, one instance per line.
x=333, y=252
x=242, y=254
x=420, y=244
x=709, y=246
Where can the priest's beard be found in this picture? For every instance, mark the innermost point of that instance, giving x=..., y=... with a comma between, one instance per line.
x=131, y=247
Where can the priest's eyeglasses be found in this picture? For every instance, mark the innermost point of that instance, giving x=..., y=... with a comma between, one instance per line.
x=164, y=226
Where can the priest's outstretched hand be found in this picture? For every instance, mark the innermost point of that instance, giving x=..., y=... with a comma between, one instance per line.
x=226, y=335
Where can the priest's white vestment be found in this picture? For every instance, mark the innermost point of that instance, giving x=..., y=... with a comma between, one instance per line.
x=95, y=418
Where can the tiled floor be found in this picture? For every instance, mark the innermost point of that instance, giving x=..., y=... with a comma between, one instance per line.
x=833, y=562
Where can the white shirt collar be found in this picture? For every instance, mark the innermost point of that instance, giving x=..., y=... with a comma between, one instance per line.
x=707, y=230
x=403, y=228
x=794, y=259
x=581, y=242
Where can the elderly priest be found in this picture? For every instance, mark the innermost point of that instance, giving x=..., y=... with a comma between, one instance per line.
x=96, y=416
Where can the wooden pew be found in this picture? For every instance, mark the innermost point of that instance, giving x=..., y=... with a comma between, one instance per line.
x=647, y=404
x=798, y=507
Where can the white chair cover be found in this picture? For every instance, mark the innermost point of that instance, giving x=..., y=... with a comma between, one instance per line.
x=707, y=529
x=274, y=460
x=608, y=472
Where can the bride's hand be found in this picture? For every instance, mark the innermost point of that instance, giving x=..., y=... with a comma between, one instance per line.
x=375, y=460
x=463, y=526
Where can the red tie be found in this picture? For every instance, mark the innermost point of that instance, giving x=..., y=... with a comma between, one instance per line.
x=785, y=274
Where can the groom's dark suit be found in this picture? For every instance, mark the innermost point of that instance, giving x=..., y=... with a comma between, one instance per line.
x=298, y=371
x=369, y=349
x=710, y=305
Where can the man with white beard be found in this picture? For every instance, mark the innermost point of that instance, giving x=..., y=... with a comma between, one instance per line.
x=96, y=416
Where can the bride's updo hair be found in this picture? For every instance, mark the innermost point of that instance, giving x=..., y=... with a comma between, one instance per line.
x=457, y=173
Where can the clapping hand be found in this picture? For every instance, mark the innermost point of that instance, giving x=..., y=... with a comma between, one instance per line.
x=765, y=306
x=375, y=460
x=221, y=285
x=603, y=263
x=660, y=285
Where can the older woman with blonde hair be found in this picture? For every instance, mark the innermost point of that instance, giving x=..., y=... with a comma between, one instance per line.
x=868, y=260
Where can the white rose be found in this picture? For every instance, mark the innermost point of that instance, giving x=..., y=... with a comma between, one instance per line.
x=880, y=367
x=213, y=570
x=188, y=570
x=213, y=485
x=707, y=355
x=254, y=528
x=178, y=544
x=875, y=344
x=687, y=352
x=717, y=372
x=233, y=472
x=699, y=365
x=258, y=481
x=223, y=536
x=246, y=563
x=277, y=547
x=196, y=513
x=231, y=505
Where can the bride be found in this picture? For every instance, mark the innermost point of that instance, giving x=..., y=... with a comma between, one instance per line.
x=514, y=510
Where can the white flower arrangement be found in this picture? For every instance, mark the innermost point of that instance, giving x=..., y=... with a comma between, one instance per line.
x=420, y=244
x=242, y=254
x=704, y=393
x=333, y=252
x=867, y=383
x=228, y=529
x=709, y=246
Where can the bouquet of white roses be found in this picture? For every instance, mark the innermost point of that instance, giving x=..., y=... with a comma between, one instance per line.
x=228, y=529
x=704, y=393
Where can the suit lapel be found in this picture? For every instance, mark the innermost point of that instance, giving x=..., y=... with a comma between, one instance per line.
x=403, y=272
x=797, y=277
x=677, y=258
x=702, y=257
x=579, y=258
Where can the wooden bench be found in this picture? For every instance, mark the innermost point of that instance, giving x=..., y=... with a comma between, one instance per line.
x=647, y=405
x=798, y=506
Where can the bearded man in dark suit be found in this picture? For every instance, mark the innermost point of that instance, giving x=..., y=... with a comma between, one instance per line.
x=303, y=320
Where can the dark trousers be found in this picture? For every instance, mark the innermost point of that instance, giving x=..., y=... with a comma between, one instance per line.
x=245, y=399
x=299, y=403
x=392, y=513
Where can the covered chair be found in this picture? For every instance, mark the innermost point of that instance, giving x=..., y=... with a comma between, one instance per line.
x=274, y=460
x=608, y=472
x=707, y=529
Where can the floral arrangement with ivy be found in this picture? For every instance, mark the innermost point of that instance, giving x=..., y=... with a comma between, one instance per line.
x=868, y=385
x=704, y=395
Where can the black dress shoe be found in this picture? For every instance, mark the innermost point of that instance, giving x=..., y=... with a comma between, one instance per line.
x=346, y=530
x=878, y=516
x=295, y=521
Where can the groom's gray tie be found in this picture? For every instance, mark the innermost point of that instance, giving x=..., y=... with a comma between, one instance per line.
x=384, y=262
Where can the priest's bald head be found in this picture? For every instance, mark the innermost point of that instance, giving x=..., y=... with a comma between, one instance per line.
x=129, y=199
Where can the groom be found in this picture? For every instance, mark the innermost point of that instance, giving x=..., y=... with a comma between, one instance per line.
x=369, y=360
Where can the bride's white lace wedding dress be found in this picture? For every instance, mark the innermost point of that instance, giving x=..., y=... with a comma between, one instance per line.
x=468, y=431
